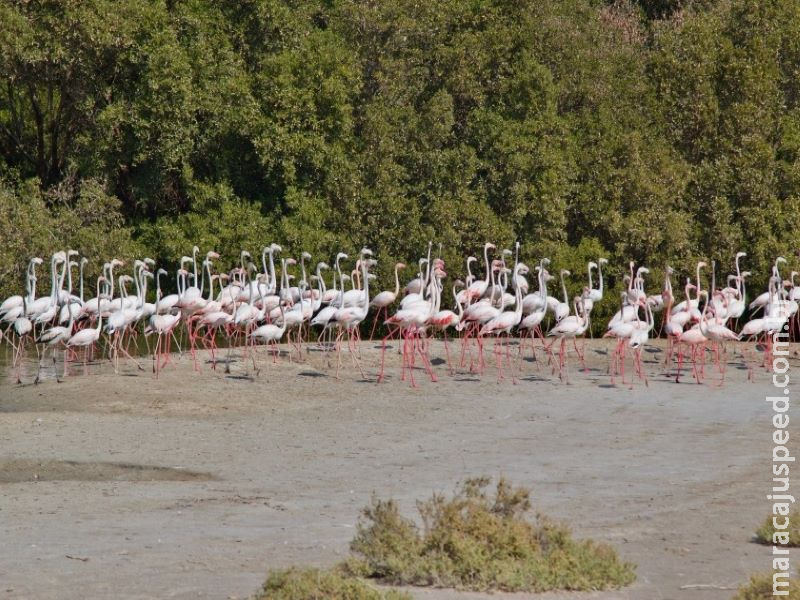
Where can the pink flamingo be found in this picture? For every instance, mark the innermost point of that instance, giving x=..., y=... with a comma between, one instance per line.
x=502, y=324
x=384, y=299
x=569, y=327
x=87, y=338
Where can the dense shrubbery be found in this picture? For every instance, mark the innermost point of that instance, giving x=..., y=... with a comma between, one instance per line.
x=481, y=541
x=653, y=130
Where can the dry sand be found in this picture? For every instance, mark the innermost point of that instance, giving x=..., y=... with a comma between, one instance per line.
x=195, y=484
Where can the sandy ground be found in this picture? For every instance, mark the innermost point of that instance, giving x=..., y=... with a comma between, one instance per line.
x=196, y=484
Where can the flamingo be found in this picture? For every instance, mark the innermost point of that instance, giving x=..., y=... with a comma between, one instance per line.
x=350, y=317
x=561, y=309
x=569, y=327
x=271, y=334
x=162, y=325
x=503, y=323
x=384, y=299
x=478, y=288
x=87, y=338
x=442, y=320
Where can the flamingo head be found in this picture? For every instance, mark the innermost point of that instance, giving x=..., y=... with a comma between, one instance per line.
x=305, y=256
x=565, y=273
x=37, y=261
x=471, y=259
x=741, y=254
x=244, y=254
x=72, y=253
x=322, y=265
x=195, y=249
x=458, y=284
x=592, y=265
x=291, y=261
x=342, y=256
x=507, y=252
x=147, y=261
x=162, y=272
x=745, y=274
x=544, y=262
x=400, y=265
x=211, y=254
x=117, y=262
x=602, y=261
x=365, y=251
x=489, y=246
x=702, y=264
x=275, y=248
x=670, y=270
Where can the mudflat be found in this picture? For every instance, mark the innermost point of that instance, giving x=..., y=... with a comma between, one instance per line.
x=195, y=484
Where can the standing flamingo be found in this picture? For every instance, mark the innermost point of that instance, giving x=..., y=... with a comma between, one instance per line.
x=87, y=338
x=384, y=299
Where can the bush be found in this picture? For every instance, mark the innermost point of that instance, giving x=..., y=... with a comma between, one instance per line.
x=76, y=215
x=764, y=533
x=760, y=588
x=314, y=584
x=479, y=541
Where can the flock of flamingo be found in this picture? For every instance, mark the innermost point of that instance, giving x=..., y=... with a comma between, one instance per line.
x=249, y=308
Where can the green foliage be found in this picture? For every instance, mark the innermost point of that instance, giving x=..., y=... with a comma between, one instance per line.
x=83, y=218
x=314, y=584
x=764, y=533
x=481, y=541
x=760, y=588
x=653, y=130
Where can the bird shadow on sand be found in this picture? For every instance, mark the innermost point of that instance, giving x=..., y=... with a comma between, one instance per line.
x=240, y=377
x=533, y=378
x=311, y=374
